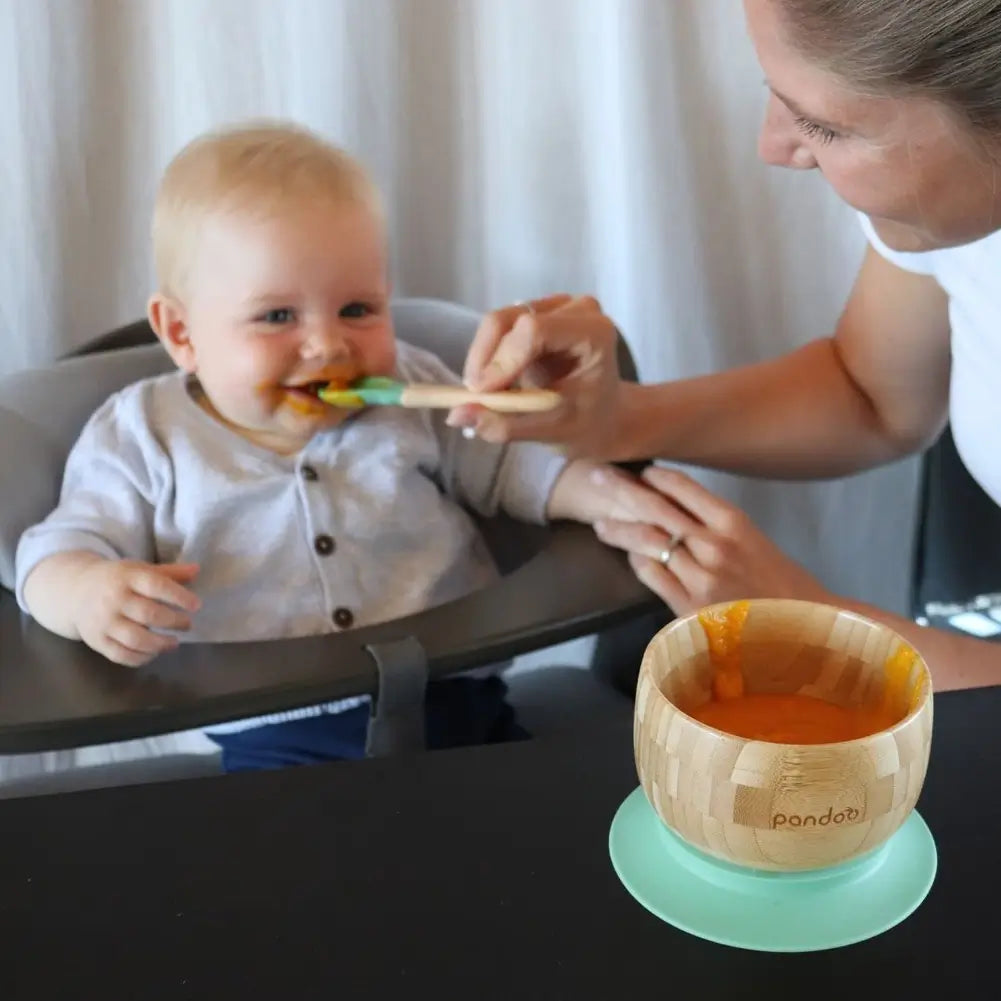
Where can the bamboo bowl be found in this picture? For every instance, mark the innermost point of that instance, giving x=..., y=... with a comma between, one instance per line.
x=780, y=807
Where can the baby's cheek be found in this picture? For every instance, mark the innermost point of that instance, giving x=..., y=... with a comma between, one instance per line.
x=379, y=353
x=263, y=397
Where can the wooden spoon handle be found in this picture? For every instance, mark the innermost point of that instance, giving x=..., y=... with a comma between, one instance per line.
x=511, y=401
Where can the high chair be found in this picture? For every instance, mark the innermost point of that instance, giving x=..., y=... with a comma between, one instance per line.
x=558, y=583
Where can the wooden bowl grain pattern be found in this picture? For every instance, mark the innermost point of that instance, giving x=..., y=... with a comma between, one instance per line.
x=781, y=807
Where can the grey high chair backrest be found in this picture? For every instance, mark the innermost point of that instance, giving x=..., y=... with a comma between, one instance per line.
x=558, y=582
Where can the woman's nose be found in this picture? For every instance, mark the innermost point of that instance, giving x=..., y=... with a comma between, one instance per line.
x=779, y=142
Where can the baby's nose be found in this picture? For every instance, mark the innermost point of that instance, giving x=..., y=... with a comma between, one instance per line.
x=325, y=339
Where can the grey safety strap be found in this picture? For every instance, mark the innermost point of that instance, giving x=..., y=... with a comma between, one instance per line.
x=396, y=724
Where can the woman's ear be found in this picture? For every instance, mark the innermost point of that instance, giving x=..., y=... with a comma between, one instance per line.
x=169, y=321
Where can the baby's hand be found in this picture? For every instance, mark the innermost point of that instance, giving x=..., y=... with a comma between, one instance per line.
x=592, y=492
x=120, y=602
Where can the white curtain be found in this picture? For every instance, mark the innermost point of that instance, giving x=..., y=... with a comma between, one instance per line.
x=523, y=146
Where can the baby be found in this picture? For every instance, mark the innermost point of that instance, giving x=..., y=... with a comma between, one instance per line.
x=225, y=501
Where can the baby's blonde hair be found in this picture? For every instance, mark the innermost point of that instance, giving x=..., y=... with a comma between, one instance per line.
x=256, y=167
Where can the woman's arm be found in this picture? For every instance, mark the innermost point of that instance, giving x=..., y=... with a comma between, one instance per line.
x=955, y=661
x=875, y=391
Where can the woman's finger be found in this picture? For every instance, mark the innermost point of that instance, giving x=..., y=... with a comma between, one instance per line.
x=703, y=504
x=648, y=542
x=496, y=427
x=495, y=327
x=572, y=341
x=465, y=416
x=663, y=582
x=517, y=350
x=638, y=538
x=699, y=583
x=636, y=501
x=698, y=574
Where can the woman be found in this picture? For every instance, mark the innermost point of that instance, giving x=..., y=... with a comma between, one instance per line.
x=898, y=103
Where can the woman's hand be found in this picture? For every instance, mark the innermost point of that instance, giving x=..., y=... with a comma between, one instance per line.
x=561, y=342
x=702, y=550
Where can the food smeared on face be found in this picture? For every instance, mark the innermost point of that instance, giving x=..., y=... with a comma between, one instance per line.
x=304, y=396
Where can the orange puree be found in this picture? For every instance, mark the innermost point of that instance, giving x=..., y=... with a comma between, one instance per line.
x=793, y=719
x=790, y=719
x=304, y=404
x=723, y=629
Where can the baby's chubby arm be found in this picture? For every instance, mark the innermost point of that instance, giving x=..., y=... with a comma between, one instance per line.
x=113, y=605
x=590, y=492
x=87, y=571
x=531, y=481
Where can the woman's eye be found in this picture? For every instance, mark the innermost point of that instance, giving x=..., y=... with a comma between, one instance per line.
x=278, y=316
x=355, y=310
x=815, y=131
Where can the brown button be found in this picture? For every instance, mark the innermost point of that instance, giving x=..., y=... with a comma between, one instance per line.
x=324, y=545
x=309, y=473
x=343, y=618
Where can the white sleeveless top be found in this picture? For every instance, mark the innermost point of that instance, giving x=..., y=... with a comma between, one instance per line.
x=971, y=277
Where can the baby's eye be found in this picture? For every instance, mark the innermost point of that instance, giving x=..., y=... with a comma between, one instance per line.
x=278, y=316
x=355, y=310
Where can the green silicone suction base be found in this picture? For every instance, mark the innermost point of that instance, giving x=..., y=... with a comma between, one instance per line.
x=770, y=911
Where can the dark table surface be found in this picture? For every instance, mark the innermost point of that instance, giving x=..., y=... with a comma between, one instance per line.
x=478, y=873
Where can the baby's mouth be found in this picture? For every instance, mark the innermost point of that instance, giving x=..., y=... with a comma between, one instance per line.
x=310, y=390
x=305, y=396
x=338, y=377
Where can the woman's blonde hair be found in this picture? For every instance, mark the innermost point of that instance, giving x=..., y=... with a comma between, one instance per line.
x=948, y=50
x=254, y=167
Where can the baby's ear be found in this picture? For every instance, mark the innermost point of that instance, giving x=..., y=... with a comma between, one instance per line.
x=169, y=321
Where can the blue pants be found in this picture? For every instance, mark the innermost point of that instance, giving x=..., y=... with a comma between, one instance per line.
x=459, y=712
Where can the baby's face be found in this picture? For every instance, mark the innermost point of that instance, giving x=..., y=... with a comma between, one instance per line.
x=282, y=302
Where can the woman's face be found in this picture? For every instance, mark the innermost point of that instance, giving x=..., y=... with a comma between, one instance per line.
x=903, y=161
